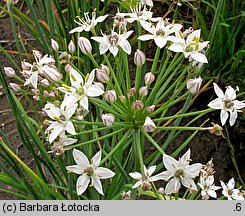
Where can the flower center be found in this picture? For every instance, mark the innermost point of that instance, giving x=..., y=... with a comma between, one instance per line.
x=229, y=192
x=113, y=39
x=62, y=118
x=89, y=171
x=80, y=91
x=160, y=33
x=228, y=104
x=179, y=173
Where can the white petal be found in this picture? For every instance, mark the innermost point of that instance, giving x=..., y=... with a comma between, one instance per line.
x=136, y=175
x=170, y=163
x=230, y=93
x=82, y=184
x=84, y=102
x=212, y=193
x=104, y=46
x=166, y=175
x=104, y=173
x=189, y=183
x=151, y=170
x=146, y=37
x=194, y=34
x=70, y=128
x=160, y=41
x=125, y=45
x=77, y=29
x=76, y=79
x=233, y=117
x=80, y=158
x=193, y=170
x=90, y=78
x=97, y=184
x=113, y=50
x=223, y=116
x=231, y=184
x=176, y=47
x=52, y=111
x=99, y=39
x=137, y=184
x=218, y=91
x=96, y=159
x=101, y=18
x=173, y=186
x=199, y=57
x=184, y=160
x=216, y=104
x=238, y=104
x=94, y=91
x=75, y=169
x=57, y=129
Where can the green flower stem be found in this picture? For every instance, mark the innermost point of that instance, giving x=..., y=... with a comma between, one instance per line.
x=139, y=33
x=137, y=79
x=94, y=140
x=155, y=191
x=153, y=142
x=19, y=79
x=119, y=63
x=94, y=130
x=114, y=150
x=108, y=110
x=127, y=72
x=183, y=115
x=118, y=88
x=138, y=148
x=169, y=104
x=155, y=61
x=87, y=122
x=180, y=128
x=93, y=59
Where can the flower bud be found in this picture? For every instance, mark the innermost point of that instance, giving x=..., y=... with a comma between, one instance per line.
x=35, y=91
x=102, y=76
x=161, y=191
x=110, y=96
x=44, y=82
x=106, y=69
x=45, y=93
x=54, y=45
x=138, y=105
x=100, y=85
x=9, y=71
x=85, y=45
x=26, y=65
x=52, y=94
x=131, y=92
x=15, y=87
x=68, y=67
x=149, y=78
x=149, y=125
x=37, y=54
x=108, y=119
x=36, y=98
x=51, y=73
x=194, y=85
x=71, y=47
x=150, y=109
x=122, y=98
x=143, y=91
x=139, y=58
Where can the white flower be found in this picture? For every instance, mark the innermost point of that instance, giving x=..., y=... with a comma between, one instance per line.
x=144, y=181
x=227, y=103
x=41, y=64
x=112, y=42
x=88, y=171
x=82, y=90
x=191, y=47
x=62, y=117
x=161, y=33
x=208, y=187
x=86, y=24
x=179, y=172
x=230, y=192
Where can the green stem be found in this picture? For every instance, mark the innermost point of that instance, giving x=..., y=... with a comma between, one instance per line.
x=155, y=61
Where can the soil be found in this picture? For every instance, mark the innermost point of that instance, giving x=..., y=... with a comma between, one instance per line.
x=204, y=146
